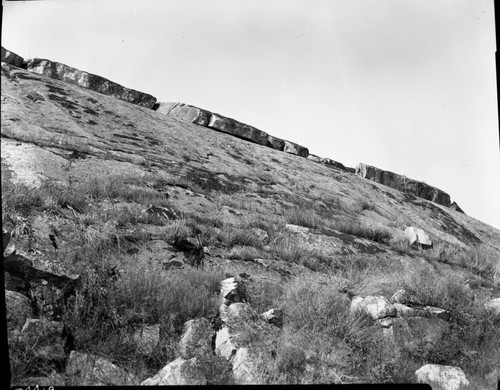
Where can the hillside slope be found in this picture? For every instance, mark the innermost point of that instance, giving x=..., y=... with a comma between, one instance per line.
x=127, y=203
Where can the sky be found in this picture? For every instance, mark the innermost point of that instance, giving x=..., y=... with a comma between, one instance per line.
x=408, y=86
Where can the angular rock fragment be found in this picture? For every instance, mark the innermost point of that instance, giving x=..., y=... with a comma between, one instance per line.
x=275, y=143
x=238, y=129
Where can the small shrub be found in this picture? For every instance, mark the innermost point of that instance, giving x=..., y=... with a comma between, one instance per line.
x=362, y=204
x=245, y=253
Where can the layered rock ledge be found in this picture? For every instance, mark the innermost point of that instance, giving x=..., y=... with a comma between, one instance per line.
x=91, y=81
x=404, y=184
x=199, y=116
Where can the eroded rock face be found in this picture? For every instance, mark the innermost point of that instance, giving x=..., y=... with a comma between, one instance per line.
x=238, y=129
x=91, y=81
x=403, y=184
x=185, y=112
x=442, y=377
x=196, y=339
x=12, y=58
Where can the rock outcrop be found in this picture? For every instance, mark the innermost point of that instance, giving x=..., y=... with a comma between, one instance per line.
x=91, y=81
x=403, y=184
x=442, y=377
x=12, y=58
x=229, y=126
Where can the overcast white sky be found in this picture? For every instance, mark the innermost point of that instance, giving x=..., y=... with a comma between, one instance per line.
x=406, y=85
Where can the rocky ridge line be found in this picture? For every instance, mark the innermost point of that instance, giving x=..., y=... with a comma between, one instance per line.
x=221, y=123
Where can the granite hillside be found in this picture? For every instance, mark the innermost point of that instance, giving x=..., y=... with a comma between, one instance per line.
x=167, y=244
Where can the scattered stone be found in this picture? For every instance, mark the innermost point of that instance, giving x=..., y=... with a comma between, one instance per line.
x=91, y=81
x=493, y=306
x=418, y=237
x=273, y=316
x=232, y=291
x=398, y=296
x=376, y=307
x=18, y=309
x=446, y=377
x=92, y=370
x=404, y=184
x=179, y=372
x=260, y=234
x=293, y=148
x=166, y=212
x=296, y=229
x=146, y=338
x=12, y=58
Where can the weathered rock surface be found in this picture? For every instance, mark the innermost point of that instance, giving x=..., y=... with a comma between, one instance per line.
x=185, y=112
x=92, y=370
x=273, y=316
x=91, y=81
x=12, y=58
x=196, y=339
x=293, y=148
x=442, y=377
x=275, y=143
x=238, y=129
x=375, y=306
x=493, y=306
x=18, y=309
x=417, y=237
x=403, y=184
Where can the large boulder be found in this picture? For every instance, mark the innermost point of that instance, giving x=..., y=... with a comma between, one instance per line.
x=376, y=307
x=91, y=81
x=442, y=377
x=12, y=58
x=92, y=370
x=404, y=184
x=185, y=112
x=293, y=148
x=417, y=237
x=238, y=129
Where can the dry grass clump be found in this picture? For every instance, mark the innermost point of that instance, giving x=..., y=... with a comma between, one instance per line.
x=357, y=228
x=116, y=296
x=304, y=217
